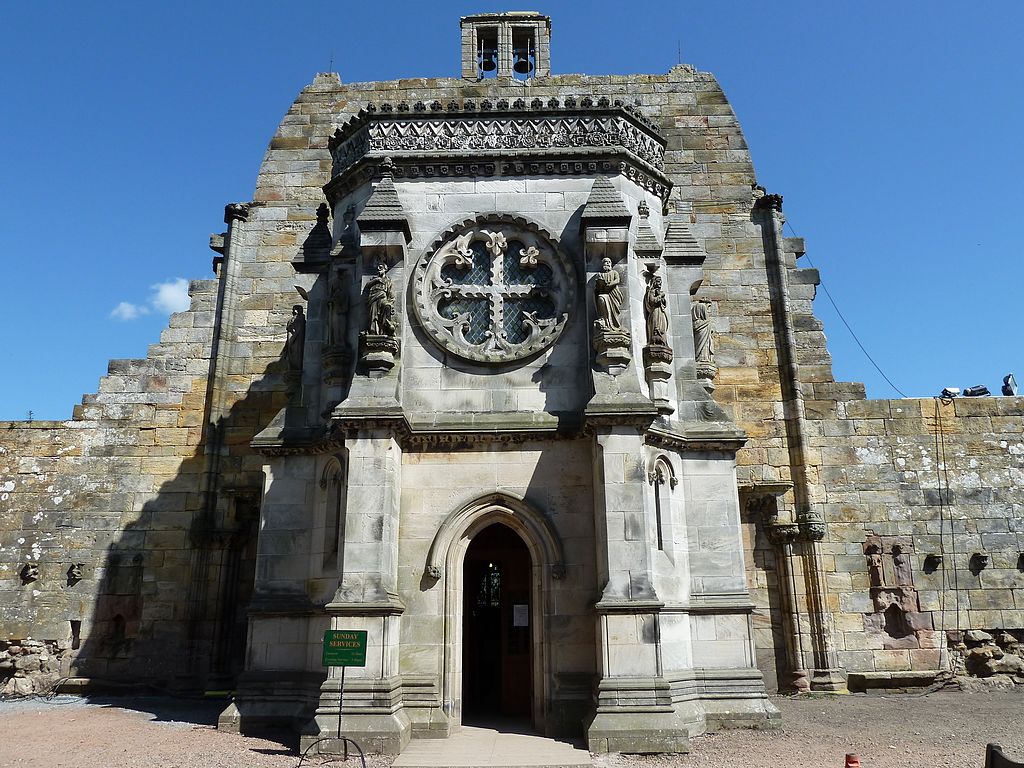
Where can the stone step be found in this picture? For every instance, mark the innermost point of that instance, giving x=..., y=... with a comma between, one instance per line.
x=477, y=747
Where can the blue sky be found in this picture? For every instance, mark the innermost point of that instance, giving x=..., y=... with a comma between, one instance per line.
x=893, y=130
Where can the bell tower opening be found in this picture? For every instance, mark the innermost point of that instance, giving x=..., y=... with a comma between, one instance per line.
x=487, y=52
x=524, y=52
x=497, y=669
x=514, y=45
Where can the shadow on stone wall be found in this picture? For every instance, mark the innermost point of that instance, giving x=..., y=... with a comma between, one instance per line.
x=171, y=606
x=771, y=659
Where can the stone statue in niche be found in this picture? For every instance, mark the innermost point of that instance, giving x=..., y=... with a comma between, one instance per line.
x=656, y=310
x=380, y=302
x=608, y=298
x=379, y=345
x=337, y=310
x=296, y=341
x=703, y=342
x=611, y=340
x=658, y=352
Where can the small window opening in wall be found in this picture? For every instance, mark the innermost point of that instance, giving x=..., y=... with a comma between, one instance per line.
x=332, y=524
x=487, y=52
x=76, y=634
x=664, y=481
x=658, y=505
x=524, y=53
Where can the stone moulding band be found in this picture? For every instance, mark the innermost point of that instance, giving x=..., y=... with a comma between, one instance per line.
x=496, y=163
x=505, y=508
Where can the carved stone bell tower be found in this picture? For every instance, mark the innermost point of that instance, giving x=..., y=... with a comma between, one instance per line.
x=512, y=45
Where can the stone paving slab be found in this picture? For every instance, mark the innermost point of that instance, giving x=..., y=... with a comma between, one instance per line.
x=482, y=747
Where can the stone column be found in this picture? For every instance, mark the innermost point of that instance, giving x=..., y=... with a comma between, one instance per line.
x=203, y=531
x=783, y=536
x=825, y=673
x=367, y=599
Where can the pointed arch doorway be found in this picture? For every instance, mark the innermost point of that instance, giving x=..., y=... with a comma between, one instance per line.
x=497, y=643
x=447, y=560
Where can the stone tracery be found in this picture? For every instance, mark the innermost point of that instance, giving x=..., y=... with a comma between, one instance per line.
x=495, y=291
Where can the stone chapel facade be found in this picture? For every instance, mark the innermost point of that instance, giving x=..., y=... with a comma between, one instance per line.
x=517, y=373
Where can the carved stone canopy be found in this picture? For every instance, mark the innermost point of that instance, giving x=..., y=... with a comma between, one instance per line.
x=494, y=289
x=587, y=136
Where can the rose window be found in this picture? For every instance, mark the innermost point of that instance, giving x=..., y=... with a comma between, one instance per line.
x=494, y=291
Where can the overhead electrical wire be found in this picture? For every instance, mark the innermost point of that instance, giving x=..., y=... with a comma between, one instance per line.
x=835, y=306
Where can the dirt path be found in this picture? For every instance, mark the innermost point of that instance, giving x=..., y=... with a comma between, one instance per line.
x=942, y=730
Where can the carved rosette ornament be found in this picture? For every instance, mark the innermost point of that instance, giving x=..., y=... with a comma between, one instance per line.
x=494, y=291
x=379, y=342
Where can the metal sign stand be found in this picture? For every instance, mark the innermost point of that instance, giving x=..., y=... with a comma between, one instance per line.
x=341, y=705
x=342, y=648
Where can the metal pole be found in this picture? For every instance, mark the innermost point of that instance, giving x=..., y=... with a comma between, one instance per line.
x=341, y=699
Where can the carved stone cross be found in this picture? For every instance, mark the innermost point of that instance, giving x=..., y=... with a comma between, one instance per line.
x=497, y=291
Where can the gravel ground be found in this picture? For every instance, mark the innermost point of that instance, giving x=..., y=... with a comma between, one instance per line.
x=941, y=730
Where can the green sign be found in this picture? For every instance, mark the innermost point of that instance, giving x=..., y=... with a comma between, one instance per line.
x=345, y=648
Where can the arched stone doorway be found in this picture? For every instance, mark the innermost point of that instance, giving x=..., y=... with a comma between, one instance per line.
x=497, y=643
x=447, y=561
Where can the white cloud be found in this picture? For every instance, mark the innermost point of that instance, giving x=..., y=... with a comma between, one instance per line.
x=171, y=296
x=168, y=297
x=128, y=311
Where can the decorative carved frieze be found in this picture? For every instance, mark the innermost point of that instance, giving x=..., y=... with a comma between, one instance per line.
x=812, y=530
x=594, y=137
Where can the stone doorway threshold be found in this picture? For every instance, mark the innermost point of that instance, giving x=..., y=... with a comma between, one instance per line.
x=497, y=744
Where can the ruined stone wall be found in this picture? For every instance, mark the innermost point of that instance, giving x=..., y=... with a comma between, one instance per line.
x=95, y=513
x=897, y=481
x=938, y=487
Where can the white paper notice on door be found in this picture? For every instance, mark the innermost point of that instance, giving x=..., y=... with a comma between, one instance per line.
x=520, y=615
